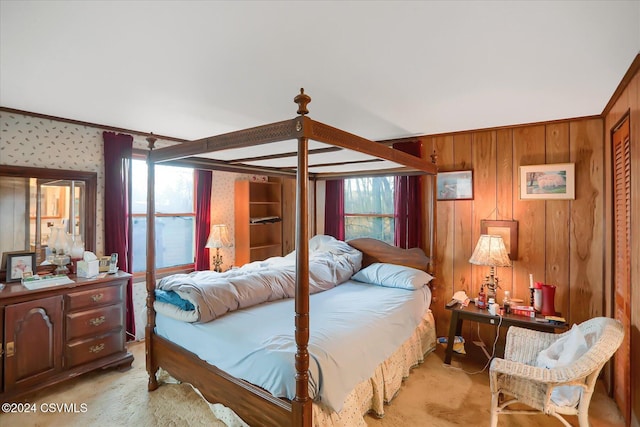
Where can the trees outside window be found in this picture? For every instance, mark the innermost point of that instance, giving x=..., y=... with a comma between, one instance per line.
x=369, y=208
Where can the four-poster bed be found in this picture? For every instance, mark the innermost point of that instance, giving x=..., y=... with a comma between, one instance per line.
x=231, y=152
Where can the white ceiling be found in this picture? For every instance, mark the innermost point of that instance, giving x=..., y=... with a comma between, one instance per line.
x=379, y=69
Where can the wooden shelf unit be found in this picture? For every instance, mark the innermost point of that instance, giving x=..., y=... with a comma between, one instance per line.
x=257, y=241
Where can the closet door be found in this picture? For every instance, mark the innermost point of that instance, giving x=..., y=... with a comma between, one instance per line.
x=622, y=259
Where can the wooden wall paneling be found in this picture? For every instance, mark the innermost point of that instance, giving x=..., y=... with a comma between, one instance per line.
x=444, y=287
x=484, y=207
x=587, y=217
x=504, y=202
x=558, y=213
x=463, y=229
x=528, y=149
x=485, y=189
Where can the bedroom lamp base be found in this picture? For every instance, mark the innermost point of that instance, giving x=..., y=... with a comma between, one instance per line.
x=217, y=261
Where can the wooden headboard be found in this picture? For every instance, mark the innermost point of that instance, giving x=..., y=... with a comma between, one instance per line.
x=378, y=251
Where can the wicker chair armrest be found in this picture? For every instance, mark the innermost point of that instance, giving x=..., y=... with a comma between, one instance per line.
x=523, y=345
x=501, y=367
x=503, y=371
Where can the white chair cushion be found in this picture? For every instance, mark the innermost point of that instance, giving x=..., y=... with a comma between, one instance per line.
x=563, y=352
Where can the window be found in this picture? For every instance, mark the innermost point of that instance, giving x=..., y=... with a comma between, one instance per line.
x=368, y=208
x=175, y=216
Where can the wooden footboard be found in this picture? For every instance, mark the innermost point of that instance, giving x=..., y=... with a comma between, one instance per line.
x=254, y=405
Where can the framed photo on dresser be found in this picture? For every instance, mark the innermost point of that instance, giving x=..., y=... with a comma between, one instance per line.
x=17, y=264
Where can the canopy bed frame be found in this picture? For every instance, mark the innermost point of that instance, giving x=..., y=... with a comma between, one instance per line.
x=251, y=403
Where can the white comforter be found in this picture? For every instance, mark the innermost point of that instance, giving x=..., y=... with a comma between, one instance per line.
x=331, y=262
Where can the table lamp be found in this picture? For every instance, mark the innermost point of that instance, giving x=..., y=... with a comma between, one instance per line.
x=218, y=238
x=490, y=250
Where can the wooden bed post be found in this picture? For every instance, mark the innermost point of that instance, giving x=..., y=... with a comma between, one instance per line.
x=150, y=277
x=433, y=206
x=301, y=405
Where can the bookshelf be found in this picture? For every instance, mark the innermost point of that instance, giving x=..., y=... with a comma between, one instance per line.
x=258, y=220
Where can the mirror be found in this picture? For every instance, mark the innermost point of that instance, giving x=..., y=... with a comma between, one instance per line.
x=35, y=201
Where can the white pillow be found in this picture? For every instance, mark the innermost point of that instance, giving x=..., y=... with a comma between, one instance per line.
x=563, y=352
x=393, y=276
x=320, y=240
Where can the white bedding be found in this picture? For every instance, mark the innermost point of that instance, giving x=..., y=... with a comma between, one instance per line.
x=354, y=327
x=213, y=294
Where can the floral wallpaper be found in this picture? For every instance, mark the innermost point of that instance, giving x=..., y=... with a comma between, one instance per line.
x=45, y=143
x=38, y=142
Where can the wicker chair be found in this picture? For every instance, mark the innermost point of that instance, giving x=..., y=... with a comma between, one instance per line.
x=516, y=375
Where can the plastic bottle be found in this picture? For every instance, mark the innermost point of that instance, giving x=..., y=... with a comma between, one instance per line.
x=482, y=298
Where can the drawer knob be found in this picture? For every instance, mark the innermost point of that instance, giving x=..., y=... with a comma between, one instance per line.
x=96, y=297
x=96, y=348
x=97, y=321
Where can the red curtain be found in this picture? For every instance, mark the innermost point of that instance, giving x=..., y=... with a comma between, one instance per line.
x=117, y=202
x=203, y=218
x=334, y=209
x=408, y=203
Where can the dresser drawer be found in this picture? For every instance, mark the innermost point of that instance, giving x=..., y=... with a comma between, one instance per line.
x=95, y=297
x=84, y=351
x=93, y=322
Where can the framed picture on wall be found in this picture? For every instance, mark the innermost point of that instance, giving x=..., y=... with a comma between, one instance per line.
x=456, y=185
x=541, y=182
x=508, y=230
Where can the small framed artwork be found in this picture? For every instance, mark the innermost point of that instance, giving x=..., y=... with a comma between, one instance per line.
x=457, y=185
x=541, y=182
x=508, y=230
x=19, y=263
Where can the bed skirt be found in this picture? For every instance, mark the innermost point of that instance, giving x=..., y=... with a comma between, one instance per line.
x=371, y=395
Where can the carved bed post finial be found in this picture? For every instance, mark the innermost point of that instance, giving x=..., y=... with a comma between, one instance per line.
x=151, y=141
x=302, y=100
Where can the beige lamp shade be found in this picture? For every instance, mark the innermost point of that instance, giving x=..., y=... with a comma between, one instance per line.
x=218, y=237
x=490, y=250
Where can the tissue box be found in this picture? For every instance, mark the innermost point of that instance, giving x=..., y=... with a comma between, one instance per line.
x=88, y=268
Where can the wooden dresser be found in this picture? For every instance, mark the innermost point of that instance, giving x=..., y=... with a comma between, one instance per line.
x=52, y=334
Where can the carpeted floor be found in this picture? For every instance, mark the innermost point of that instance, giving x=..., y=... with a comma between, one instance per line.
x=434, y=395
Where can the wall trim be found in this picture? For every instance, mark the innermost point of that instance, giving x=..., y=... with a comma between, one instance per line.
x=511, y=127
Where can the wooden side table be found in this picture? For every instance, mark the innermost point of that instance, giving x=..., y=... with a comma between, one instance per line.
x=472, y=313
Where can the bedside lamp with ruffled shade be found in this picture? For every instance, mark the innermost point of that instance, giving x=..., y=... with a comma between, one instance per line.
x=491, y=251
x=218, y=238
